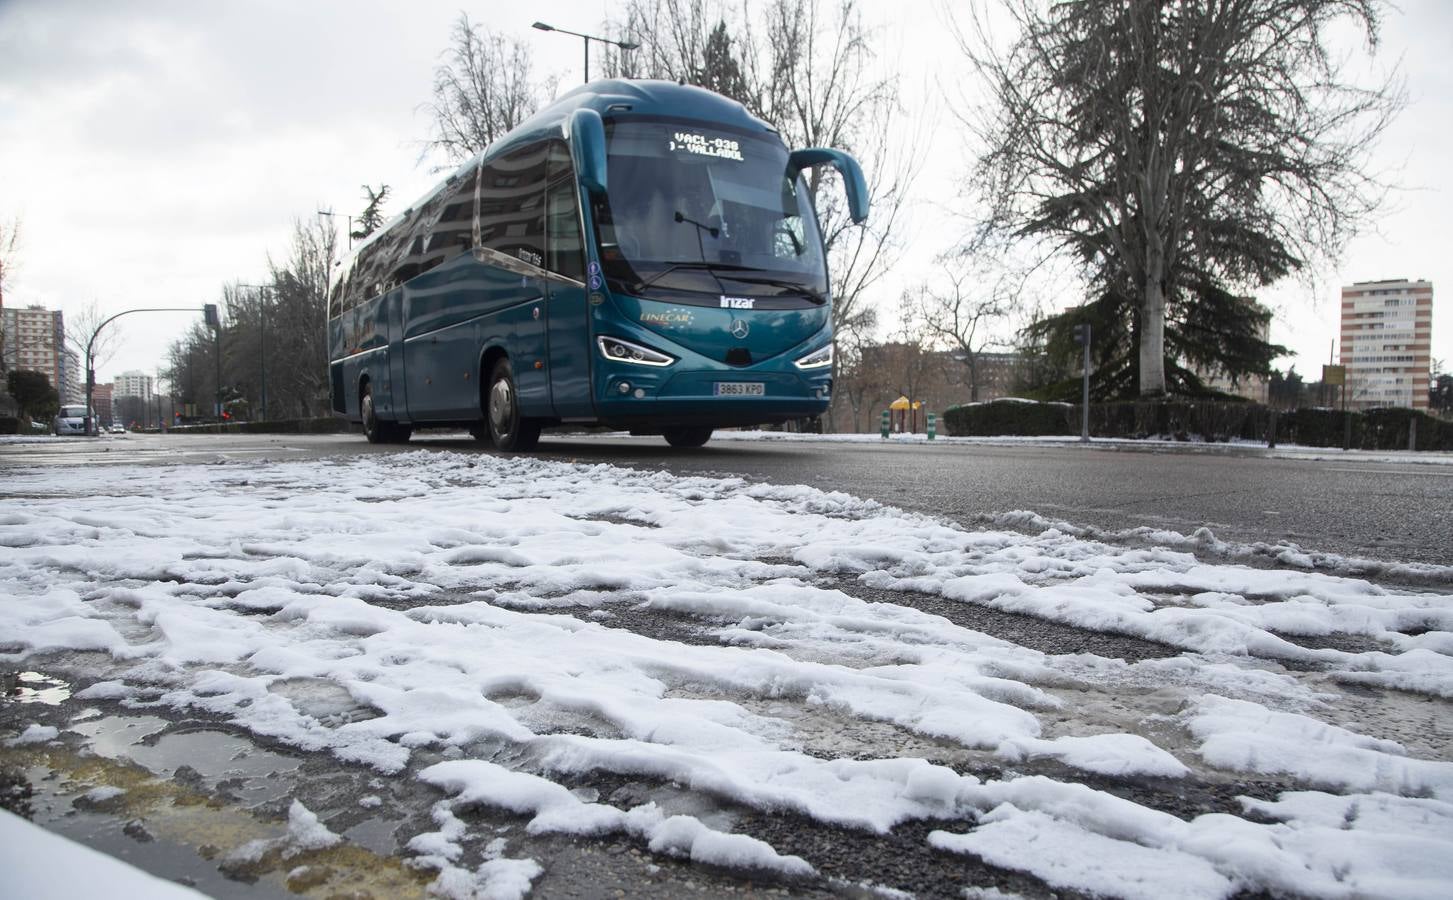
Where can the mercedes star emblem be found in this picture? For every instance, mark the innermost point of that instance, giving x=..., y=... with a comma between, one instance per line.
x=739, y=328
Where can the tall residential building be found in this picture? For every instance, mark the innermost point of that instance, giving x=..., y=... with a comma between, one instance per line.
x=73, y=377
x=35, y=339
x=1387, y=340
x=133, y=384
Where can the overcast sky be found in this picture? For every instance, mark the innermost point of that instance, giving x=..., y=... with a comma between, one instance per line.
x=157, y=150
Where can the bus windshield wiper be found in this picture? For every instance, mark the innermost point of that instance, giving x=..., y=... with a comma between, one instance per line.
x=710, y=267
x=811, y=294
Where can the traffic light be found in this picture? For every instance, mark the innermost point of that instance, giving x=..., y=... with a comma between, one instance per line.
x=209, y=313
x=1082, y=335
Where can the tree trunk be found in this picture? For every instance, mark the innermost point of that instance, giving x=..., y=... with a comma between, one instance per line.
x=1152, y=332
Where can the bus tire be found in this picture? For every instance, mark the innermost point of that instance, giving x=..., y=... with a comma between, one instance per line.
x=687, y=437
x=509, y=430
x=375, y=429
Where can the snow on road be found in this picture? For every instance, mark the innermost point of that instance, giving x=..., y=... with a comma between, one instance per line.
x=469, y=603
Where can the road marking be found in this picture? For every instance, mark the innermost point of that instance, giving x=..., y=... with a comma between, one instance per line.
x=1392, y=472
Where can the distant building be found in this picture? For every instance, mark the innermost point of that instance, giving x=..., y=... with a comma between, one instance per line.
x=35, y=339
x=1387, y=340
x=101, y=403
x=1256, y=388
x=73, y=377
x=134, y=384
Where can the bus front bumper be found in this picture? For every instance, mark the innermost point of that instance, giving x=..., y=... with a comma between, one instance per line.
x=666, y=398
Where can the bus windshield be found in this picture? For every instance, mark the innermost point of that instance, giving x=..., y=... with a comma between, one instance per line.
x=699, y=208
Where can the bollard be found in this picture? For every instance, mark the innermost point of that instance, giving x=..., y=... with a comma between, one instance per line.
x=1412, y=434
x=883, y=429
x=932, y=425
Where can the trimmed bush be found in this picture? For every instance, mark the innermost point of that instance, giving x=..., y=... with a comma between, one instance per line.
x=1018, y=417
x=1196, y=420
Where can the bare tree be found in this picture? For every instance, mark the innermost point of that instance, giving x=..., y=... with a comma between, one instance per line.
x=83, y=329
x=280, y=326
x=1186, y=153
x=959, y=312
x=483, y=89
x=9, y=247
x=298, y=322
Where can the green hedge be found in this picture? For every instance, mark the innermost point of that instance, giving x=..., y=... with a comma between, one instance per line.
x=1189, y=420
x=9, y=425
x=1016, y=417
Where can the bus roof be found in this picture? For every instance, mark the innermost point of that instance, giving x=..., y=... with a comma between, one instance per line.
x=615, y=96
x=610, y=97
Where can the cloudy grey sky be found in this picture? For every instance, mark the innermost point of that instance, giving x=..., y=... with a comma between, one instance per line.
x=157, y=149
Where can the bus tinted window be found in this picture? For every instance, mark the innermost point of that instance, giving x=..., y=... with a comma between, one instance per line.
x=511, y=204
x=564, y=252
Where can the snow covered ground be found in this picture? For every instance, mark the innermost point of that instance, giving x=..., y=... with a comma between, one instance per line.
x=487, y=614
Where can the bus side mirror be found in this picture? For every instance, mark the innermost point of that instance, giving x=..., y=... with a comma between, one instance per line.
x=587, y=149
x=853, y=182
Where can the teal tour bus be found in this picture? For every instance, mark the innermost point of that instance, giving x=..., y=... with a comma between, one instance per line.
x=639, y=255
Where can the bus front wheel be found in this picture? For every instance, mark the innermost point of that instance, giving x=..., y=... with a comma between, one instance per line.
x=687, y=437
x=375, y=429
x=507, y=428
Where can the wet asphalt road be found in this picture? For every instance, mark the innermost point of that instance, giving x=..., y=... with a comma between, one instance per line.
x=1353, y=506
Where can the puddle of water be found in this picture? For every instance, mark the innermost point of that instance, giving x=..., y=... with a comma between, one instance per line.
x=33, y=687
x=244, y=770
x=375, y=834
x=114, y=736
x=165, y=827
x=248, y=772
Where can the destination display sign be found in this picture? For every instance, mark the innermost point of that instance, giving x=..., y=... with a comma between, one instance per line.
x=703, y=145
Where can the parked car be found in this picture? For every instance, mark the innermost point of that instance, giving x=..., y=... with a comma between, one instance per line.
x=73, y=420
x=118, y=428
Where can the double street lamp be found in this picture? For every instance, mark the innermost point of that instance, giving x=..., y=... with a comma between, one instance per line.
x=624, y=45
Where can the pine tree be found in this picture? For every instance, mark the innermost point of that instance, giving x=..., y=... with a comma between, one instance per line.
x=371, y=219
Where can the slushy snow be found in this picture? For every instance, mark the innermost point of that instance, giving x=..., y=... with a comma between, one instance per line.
x=466, y=603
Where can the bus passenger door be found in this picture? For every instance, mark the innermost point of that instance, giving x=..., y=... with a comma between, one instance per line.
x=569, y=322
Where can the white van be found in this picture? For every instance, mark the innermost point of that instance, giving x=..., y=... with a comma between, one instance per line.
x=72, y=420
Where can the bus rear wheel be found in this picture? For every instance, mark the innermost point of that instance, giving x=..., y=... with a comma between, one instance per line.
x=687, y=437
x=509, y=430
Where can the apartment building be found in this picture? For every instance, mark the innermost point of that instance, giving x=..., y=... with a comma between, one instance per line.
x=134, y=384
x=35, y=339
x=1387, y=339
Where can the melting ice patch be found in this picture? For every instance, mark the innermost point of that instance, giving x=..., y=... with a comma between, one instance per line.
x=376, y=606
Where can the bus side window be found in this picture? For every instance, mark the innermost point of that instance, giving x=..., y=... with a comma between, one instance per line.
x=511, y=204
x=564, y=253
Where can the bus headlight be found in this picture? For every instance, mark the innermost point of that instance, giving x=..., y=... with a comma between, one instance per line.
x=816, y=359
x=624, y=351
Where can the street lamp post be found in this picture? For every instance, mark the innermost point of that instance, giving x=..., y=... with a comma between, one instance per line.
x=624, y=45
x=262, y=290
x=334, y=215
x=214, y=321
x=91, y=348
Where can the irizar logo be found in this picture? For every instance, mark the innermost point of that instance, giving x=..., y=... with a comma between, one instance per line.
x=737, y=302
x=739, y=328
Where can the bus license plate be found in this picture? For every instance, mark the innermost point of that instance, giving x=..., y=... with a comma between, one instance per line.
x=740, y=389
